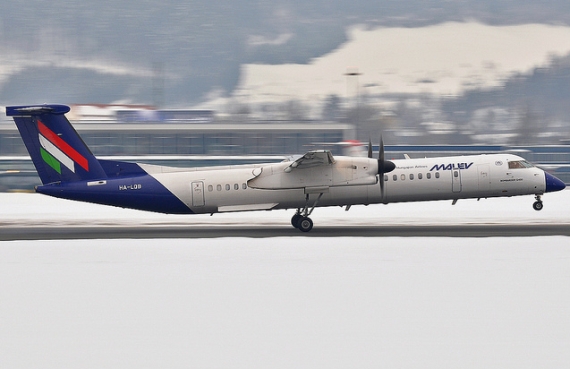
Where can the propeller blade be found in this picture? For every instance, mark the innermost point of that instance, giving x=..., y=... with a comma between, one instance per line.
x=381, y=179
x=381, y=166
x=384, y=166
x=381, y=150
x=369, y=148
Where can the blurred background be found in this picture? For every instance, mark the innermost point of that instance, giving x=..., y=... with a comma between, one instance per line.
x=178, y=81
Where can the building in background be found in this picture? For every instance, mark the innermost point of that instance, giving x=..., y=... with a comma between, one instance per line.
x=191, y=138
x=173, y=137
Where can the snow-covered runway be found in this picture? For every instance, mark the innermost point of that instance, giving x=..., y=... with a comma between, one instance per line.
x=40, y=210
x=283, y=302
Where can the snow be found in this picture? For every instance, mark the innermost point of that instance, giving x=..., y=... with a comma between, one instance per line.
x=286, y=302
x=445, y=59
x=35, y=209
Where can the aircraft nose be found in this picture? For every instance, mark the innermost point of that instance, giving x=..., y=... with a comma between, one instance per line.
x=553, y=184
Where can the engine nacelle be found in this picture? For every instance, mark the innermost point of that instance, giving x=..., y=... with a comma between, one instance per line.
x=344, y=171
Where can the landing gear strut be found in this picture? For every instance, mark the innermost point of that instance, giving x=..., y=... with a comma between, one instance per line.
x=538, y=203
x=301, y=218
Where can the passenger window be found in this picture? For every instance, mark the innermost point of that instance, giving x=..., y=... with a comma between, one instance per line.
x=456, y=174
x=219, y=187
x=395, y=178
x=227, y=187
x=244, y=186
x=403, y=176
x=210, y=188
x=429, y=176
x=236, y=186
x=411, y=177
x=385, y=178
x=436, y=174
x=420, y=176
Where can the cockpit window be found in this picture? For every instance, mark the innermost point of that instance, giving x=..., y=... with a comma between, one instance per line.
x=519, y=164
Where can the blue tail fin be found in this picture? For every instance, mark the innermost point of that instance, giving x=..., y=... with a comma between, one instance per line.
x=56, y=149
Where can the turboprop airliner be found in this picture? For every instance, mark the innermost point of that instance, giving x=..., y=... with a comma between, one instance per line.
x=69, y=170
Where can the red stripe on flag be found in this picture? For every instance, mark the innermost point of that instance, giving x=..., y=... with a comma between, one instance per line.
x=63, y=146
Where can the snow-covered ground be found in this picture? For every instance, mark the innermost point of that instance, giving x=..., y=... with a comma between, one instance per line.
x=441, y=59
x=38, y=210
x=286, y=302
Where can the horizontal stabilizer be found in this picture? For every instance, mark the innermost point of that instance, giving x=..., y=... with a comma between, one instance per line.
x=28, y=110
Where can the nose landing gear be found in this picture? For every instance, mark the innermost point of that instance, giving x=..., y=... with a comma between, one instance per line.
x=537, y=204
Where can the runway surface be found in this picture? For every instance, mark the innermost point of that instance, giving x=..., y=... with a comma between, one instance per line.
x=418, y=285
x=37, y=217
x=164, y=232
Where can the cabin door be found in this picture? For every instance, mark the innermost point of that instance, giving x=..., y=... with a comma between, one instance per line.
x=198, y=193
x=456, y=180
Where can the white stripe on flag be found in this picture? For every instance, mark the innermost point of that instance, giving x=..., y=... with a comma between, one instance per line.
x=57, y=153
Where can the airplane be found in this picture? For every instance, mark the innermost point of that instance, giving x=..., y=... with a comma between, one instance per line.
x=69, y=170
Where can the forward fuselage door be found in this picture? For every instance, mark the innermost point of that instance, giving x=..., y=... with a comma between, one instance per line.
x=484, y=178
x=198, y=193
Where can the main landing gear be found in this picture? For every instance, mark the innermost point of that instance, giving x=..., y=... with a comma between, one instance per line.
x=301, y=218
x=302, y=223
x=538, y=203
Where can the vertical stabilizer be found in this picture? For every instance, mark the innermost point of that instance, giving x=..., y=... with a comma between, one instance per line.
x=58, y=153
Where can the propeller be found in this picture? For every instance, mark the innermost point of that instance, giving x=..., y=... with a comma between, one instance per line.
x=384, y=166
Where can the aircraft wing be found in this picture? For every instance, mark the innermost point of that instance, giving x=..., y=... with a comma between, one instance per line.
x=315, y=171
x=312, y=159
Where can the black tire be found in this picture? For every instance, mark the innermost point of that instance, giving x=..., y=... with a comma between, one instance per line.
x=305, y=224
x=295, y=220
x=537, y=205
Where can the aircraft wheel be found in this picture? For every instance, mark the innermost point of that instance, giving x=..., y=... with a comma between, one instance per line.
x=537, y=205
x=295, y=220
x=305, y=224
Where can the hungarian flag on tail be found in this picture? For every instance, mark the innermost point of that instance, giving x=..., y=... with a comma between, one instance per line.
x=56, y=149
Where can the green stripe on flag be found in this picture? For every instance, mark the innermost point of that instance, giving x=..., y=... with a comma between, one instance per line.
x=50, y=160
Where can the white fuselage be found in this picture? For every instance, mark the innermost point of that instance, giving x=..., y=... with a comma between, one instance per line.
x=223, y=189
